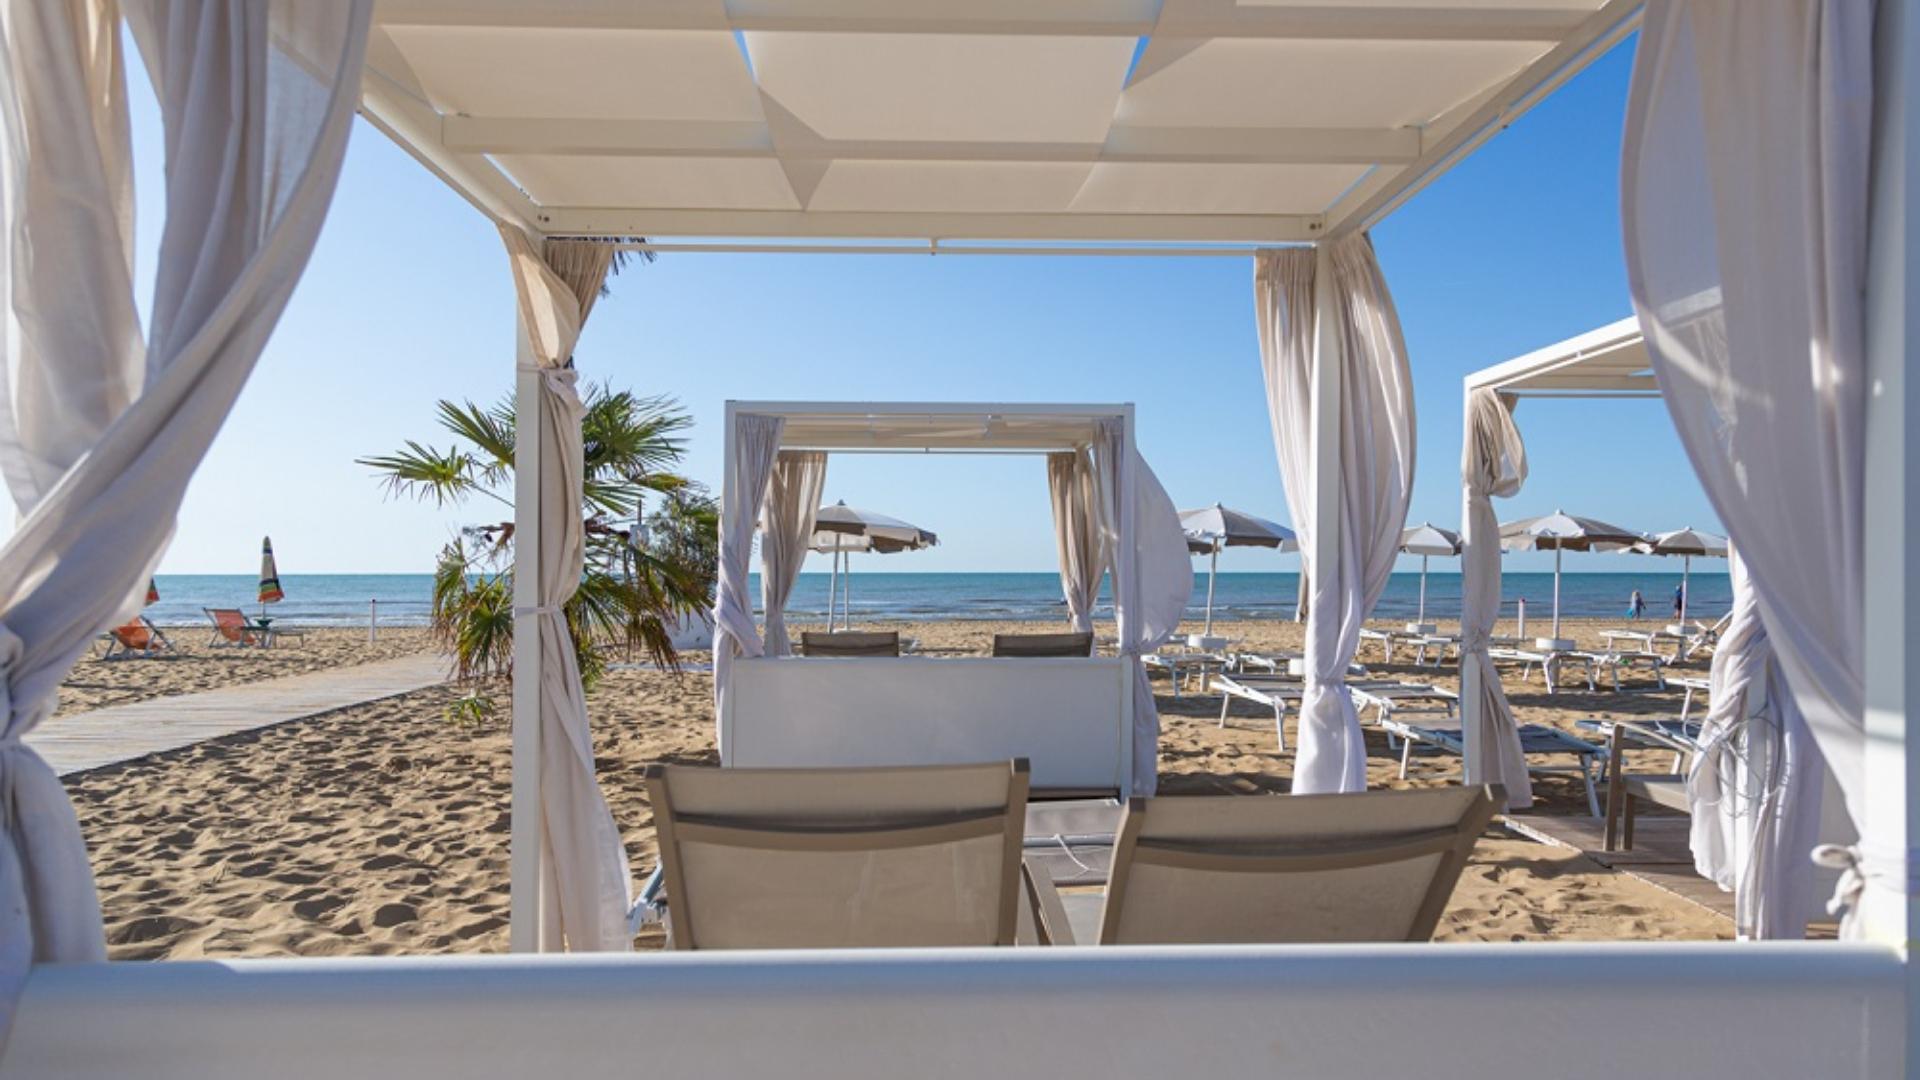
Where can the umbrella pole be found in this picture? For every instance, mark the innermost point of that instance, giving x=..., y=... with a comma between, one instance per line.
x=1556, y=591
x=833, y=584
x=1213, y=570
x=846, y=595
x=1686, y=594
x=1422, y=617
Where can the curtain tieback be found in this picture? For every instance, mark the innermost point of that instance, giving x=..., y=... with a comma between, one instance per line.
x=1858, y=865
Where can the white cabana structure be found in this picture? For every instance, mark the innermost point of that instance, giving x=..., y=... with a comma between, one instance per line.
x=1769, y=156
x=1101, y=728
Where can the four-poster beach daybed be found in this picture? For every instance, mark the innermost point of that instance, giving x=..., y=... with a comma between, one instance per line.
x=1768, y=159
x=1086, y=724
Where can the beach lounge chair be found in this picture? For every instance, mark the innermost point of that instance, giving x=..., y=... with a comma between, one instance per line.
x=1253, y=869
x=1384, y=696
x=840, y=858
x=138, y=638
x=231, y=627
x=1625, y=791
x=850, y=643
x=1043, y=645
x=1681, y=736
x=1183, y=667
x=1536, y=740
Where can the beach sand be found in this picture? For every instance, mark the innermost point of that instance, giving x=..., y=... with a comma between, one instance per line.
x=382, y=829
x=194, y=665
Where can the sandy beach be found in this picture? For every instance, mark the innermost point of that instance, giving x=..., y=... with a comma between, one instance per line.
x=382, y=828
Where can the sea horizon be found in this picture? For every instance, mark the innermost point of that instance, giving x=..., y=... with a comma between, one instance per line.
x=346, y=600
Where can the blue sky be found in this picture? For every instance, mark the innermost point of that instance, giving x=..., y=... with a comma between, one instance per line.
x=408, y=299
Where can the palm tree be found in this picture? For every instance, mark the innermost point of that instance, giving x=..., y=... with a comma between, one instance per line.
x=637, y=583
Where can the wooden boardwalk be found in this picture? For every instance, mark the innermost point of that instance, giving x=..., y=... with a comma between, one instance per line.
x=90, y=740
x=1661, y=856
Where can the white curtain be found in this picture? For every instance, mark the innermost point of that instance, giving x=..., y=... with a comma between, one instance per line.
x=1152, y=581
x=799, y=476
x=756, y=445
x=1754, y=790
x=585, y=866
x=1493, y=464
x=1076, y=532
x=1744, y=202
x=1376, y=475
x=98, y=440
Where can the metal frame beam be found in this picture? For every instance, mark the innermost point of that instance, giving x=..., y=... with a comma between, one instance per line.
x=1173, y=228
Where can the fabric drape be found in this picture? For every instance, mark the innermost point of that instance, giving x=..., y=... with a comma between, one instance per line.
x=1493, y=464
x=585, y=868
x=1744, y=184
x=1376, y=475
x=756, y=446
x=1152, y=580
x=1077, y=533
x=1755, y=787
x=793, y=501
x=99, y=441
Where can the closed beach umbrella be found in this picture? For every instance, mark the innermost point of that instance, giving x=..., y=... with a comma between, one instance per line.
x=1686, y=543
x=840, y=530
x=1214, y=527
x=153, y=591
x=1560, y=531
x=269, y=577
x=1428, y=540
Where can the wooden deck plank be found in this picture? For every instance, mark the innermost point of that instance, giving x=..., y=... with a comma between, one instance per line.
x=1661, y=856
x=92, y=740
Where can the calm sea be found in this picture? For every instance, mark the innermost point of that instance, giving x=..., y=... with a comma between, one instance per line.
x=342, y=599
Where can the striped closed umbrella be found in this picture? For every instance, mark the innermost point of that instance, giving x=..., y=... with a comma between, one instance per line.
x=153, y=591
x=269, y=576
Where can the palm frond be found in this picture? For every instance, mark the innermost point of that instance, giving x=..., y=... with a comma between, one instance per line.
x=422, y=472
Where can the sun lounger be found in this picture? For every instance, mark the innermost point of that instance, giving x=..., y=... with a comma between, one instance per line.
x=1553, y=663
x=232, y=628
x=1183, y=666
x=1681, y=736
x=840, y=858
x=1256, y=869
x=137, y=639
x=1625, y=791
x=1536, y=740
x=1043, y=645
x=1384, y=696
x=850, y=643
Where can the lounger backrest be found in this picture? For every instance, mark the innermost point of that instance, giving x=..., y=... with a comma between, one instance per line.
x=840, y=858
x=1036, y=645
x=1375, y=866
x=850, y=643
x=136, y=635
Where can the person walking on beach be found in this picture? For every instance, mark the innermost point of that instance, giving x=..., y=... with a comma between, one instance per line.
x=1679, y=600
x=1636, y=605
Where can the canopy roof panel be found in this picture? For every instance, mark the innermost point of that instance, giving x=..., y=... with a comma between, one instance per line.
x=936, y=426
x=1180, y=120
x=1610, y=361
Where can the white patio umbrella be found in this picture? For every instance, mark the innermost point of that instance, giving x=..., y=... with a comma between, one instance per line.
x=1213, y=527
x=1687, y=543
x=840, y=530
x=1561, y=531
x=1428, y=540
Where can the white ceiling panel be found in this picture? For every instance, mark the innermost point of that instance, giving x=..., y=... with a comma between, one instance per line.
x=948, y=186
x=544, y=73
x=944, y=86
x=1176, y=188
x=1315, y=83
x=667, y=183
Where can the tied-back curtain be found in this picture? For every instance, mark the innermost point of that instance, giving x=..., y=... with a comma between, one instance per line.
x=1376, y=475
x=756, y=446
x=1755, y=787
x=1076, y=532
x=1493, y=464
x=793, y=501
x=585, y=869
x=256, y=101
x=1152, y=580
x=1744, y=186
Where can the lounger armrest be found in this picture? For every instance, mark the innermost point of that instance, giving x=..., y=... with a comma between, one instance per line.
x=1043, y=898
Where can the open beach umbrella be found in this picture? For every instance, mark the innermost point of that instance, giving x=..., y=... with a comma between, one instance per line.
x=1687, y=543
x=1560, y=531
x=1213, y=527
x=1428, y=540
x=269, y=577
x=840, y=530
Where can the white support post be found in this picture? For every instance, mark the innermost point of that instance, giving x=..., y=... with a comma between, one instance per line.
x=527, y=857
x=1889, y=912
x=1324, y=397
x=1470, y=689
x=1127, y=513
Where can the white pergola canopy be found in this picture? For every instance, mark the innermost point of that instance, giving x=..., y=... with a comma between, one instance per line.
x=1609, y=361
x=1075, y=120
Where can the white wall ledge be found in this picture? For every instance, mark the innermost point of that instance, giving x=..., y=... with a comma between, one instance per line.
x=1432, y=1011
